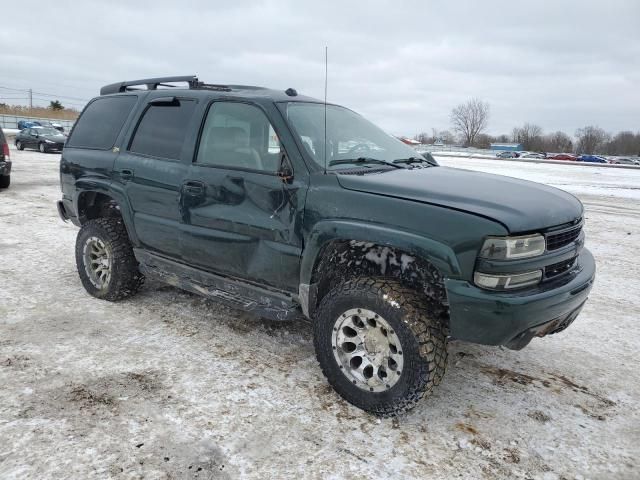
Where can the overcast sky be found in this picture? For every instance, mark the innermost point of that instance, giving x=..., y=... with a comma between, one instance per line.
x=404, y=65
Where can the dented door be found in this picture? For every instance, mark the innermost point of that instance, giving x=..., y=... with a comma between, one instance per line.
x=239, y=217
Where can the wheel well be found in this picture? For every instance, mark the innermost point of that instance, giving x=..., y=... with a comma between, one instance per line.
x=92, y=205
x=346, y=259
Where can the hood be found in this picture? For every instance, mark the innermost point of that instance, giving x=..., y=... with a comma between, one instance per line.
x=55, y=138
x=520, y=205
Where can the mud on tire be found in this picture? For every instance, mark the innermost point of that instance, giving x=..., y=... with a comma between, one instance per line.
x=124, y=277
x=422, y=336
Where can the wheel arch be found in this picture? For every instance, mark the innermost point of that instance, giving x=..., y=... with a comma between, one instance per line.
x=96, y=200
x=338, y=250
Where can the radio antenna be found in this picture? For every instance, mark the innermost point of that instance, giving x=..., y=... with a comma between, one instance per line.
x=326, y=50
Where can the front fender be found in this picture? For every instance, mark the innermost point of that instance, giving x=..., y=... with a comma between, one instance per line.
x=439, y=255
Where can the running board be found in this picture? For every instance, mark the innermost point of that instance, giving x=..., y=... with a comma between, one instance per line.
x=235, y=293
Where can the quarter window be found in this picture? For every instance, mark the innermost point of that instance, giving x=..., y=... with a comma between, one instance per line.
x=163, y=129
x=101, y=122
x=238, y=135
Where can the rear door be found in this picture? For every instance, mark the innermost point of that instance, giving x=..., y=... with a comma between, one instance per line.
x=241, y=219
x=152, y=169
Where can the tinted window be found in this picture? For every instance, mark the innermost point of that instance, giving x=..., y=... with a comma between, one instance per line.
x=238, y=135
x=101, y=122
x=163, y=129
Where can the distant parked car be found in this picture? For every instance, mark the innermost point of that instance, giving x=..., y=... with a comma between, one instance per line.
x=592, y=159
x=41, y=138
x=507, y=155
x=563, y=156
x=22, y=124
x=45, y=123
x=624, y=161
x=532, y=155
x=5, y=162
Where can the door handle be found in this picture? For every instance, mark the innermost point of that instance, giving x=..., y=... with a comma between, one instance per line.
x=194, y=188
x=126, y=175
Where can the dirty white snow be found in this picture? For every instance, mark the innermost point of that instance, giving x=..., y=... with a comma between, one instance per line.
x=170, y=385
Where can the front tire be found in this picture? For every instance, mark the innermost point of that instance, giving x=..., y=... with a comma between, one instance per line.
x=104, y=257
x=42, y=148
x=378, y=345
x=19, y=145
x=5, y=181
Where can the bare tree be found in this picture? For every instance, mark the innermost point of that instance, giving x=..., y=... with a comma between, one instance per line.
x=529, y=135
x=558, y=142
x=423, y=137
x=469, y=119
x=624, y=143
x=591, y=139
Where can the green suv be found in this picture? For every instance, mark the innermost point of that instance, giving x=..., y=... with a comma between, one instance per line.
x=281, y=205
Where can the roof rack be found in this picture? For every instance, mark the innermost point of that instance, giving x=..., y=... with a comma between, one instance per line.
x=153, y=84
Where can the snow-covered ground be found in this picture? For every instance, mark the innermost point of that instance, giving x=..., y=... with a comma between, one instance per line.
x=170, y=385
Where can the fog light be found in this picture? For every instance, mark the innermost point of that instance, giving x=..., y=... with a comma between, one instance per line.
x=507, y=281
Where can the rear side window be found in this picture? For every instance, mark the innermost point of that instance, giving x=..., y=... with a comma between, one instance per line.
x=101, y=122
x=163, y=129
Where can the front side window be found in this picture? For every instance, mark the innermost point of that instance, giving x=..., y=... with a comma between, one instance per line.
x=163, y=129
x=349, y=136
x=101, y=121
x=238, y=135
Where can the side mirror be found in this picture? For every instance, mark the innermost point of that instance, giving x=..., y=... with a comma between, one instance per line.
x=285, y=171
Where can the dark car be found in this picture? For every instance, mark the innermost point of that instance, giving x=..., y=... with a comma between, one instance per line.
x=5, y=162
x=592, y=159
x=507, y=155
x=40, y=138
x=255, y=198
x=563, y=156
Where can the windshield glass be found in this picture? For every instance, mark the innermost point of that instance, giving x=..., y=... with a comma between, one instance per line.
x=349, y=136
x=47, y=131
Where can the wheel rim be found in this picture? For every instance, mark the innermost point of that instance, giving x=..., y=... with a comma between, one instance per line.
x=97, y=262
x=42, y=147
x=18, y=145
x=367, y=349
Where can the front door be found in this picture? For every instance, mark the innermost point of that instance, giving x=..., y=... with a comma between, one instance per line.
x=240, y=218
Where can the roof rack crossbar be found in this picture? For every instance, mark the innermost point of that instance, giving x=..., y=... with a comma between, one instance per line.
x=151, y=83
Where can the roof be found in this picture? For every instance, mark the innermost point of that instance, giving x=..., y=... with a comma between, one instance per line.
x=195, y=86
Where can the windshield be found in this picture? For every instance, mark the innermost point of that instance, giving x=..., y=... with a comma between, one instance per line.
x=349, y=136
x=47, y=131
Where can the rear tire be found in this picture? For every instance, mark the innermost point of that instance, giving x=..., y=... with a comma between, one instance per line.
x=414, y=360
x=104, y=257
x=5, y=181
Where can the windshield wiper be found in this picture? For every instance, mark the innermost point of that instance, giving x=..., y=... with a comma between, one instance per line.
x=361, y=160
x=411, y=160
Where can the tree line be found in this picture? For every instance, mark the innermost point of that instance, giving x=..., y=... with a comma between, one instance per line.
x=469, y=121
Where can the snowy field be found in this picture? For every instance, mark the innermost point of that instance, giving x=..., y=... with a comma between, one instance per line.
x=170, y=385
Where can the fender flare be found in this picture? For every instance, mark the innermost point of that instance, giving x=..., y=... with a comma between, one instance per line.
x=438, y=254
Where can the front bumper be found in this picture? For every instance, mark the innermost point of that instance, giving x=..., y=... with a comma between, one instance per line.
x=5, y=168
x=513, y=319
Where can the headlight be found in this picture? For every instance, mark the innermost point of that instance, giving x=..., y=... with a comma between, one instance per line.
x=507, y=281
x=510, y=248
x=49, y=141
